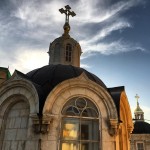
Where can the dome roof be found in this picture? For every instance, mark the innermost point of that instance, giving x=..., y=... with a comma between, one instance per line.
x=47, y=77
x=51, y=75
x=141, y=127
x=63, y=38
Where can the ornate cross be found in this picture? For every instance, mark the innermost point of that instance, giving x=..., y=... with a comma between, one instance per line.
x=137, y=97
x=67, y=12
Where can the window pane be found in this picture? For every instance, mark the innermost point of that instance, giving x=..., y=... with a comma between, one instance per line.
x=68, y=52
x=89, y=112
x=89, y=146
x=70, y=146
x=89, y=130
x=70, y=129
x=71, y=111
x=140, y=146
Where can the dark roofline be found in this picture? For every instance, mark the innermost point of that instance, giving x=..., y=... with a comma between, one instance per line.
x=116, y=89
x=115, y=93
x=37, y=87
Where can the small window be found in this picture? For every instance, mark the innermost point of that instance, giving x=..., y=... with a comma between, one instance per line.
x=140, y=146
x=68, y=52
x=80, y=125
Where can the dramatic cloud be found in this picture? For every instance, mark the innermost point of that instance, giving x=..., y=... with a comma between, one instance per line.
x=33, y=24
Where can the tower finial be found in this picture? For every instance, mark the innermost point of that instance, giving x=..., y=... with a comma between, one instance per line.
x=67, y=12
x=137, y=98
x=138, y=112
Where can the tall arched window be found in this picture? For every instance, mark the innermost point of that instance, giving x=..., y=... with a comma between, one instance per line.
x=68, y=52
x=57, y=52
x=80, y=125
x=15, y=126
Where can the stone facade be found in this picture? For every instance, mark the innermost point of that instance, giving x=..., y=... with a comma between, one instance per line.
x=140, y=138
x=19, y=122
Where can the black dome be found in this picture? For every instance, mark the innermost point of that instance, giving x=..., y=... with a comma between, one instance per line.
x=46, y=78
x=51, y=75
x=141, y=127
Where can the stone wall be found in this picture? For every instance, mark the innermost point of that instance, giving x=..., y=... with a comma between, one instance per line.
x=142, y=138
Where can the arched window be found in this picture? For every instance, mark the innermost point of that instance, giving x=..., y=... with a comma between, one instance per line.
x=57, y=52
x=80, y=125
x=15, y=126
x=68, y=52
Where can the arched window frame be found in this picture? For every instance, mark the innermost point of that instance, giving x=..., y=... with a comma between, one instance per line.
x=68, y=53
x=82, y=118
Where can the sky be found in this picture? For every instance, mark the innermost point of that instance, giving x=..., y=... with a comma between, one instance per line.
x=114, y=36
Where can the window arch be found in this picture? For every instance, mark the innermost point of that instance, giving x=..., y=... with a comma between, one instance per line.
x=80, y=125
x=68, y=53
x=15, y=125
x=57, y=52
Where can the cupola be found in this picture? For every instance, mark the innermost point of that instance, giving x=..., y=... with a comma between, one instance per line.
x=65, y=50
x=138, y=112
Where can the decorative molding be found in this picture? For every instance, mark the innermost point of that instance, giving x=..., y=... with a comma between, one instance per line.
x=130, y=129
x=114, y=126
x=42, y=123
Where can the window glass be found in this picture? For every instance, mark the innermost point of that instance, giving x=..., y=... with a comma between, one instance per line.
x=140, y=146
x=68, y=52
x=80, y=125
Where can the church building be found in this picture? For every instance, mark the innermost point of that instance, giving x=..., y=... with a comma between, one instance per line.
x=62, y=106
x=140, y=138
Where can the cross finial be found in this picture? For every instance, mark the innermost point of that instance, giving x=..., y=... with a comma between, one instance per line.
x=67, y=12
x=137, y=97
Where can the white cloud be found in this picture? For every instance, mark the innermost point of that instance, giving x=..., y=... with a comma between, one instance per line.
x=35, y=14
x=108, y=29
x=102, y=12
x=108, y=48
x=32, y=15
x=85, y=66
x=31, y=59
x=25, y=60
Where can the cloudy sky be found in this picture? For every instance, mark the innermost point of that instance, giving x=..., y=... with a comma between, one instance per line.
x=114, y=36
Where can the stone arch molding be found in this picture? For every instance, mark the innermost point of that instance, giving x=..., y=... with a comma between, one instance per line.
x=80, y=86
x=126, y=112
x=17, y=86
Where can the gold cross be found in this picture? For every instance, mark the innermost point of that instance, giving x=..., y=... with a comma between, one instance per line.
x=67, y=12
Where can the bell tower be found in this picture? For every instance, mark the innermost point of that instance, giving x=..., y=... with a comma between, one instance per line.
x=138, y=112
x=65, y=50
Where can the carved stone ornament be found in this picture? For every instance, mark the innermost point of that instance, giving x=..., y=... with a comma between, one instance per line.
x=41, y=123
x=114, y=126
x=130, y=129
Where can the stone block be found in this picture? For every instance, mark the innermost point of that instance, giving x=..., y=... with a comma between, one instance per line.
x=21, y=145
x=14, y=145
x=24, y=112
x=17, y=122
x=49, y=145
x=6, y=145
x=10, y=134
x=32, y=145
x=10, y=123
x=21, y=134
x=14, y=113
x=24, y=122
